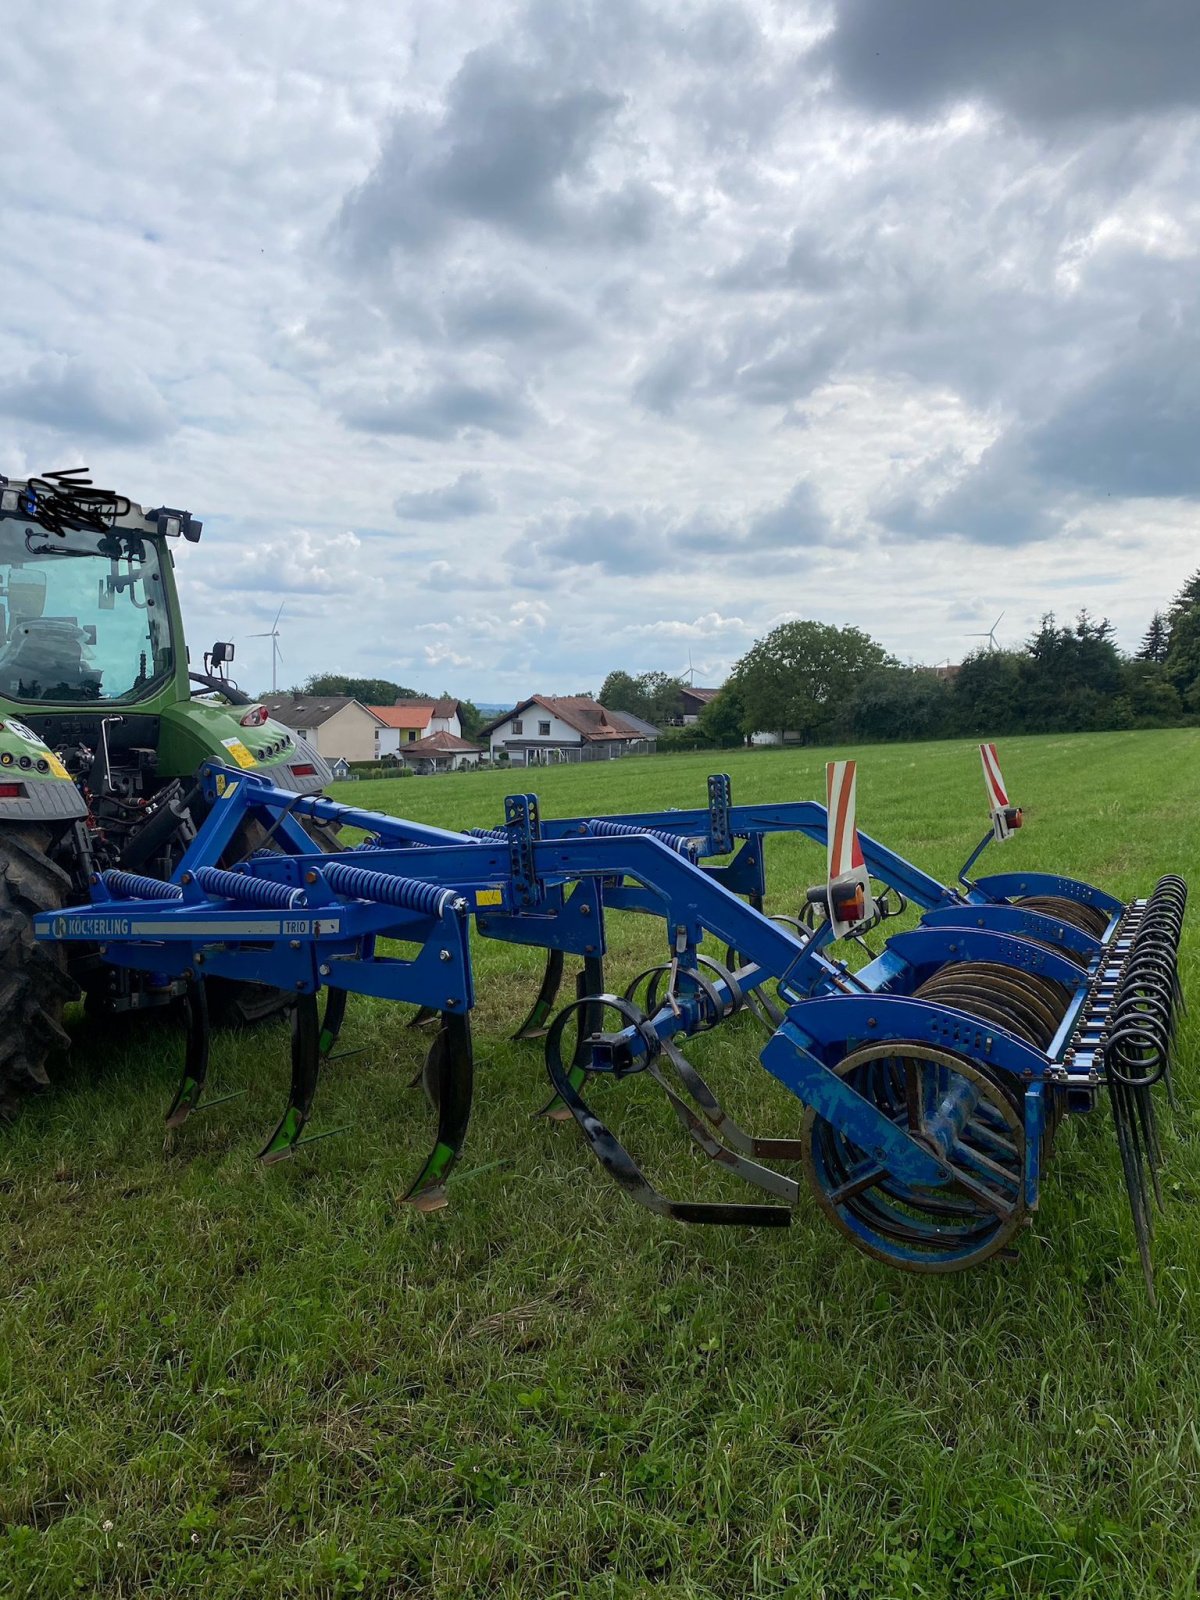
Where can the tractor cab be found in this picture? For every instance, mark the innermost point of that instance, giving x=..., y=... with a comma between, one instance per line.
x=85, y=618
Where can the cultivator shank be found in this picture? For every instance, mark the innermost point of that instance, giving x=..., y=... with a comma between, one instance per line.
x=932, y=1080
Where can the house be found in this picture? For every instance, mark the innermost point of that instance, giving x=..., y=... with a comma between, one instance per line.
x=336, y=723
x=412, y=719
x=552, y=728
x=440, y=752
x=690, y=702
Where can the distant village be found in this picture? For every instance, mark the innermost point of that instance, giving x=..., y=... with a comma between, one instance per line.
x=425, y=735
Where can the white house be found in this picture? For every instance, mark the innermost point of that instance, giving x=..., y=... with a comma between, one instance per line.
x=554, y=728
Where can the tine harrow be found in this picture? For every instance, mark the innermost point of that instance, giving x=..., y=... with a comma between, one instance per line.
x=931, y=1081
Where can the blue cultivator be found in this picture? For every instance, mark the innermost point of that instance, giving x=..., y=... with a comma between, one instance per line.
x=932, y=1079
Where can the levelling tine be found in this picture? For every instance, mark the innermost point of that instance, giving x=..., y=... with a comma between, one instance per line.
x=624, y=1171
x=306, y=1069
x=425, y=1017
x=749, y=1171
x=450, y=1075
x=715, y=1113
x=1134, y=1187
x=195, y=1062
x=534, y=1026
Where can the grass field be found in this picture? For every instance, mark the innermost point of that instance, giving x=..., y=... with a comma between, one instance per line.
x=226, y=1381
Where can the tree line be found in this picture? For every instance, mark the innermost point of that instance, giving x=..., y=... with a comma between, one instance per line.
x=815, y=682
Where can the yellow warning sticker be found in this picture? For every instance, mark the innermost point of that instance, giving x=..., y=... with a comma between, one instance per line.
x=224, y=787
x=489, y=897
x=56, y=766
x=239, y=752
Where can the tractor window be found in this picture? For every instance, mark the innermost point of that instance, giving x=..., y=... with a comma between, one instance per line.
x=81, y=618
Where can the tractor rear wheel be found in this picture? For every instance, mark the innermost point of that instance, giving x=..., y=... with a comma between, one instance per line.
x=34, y=982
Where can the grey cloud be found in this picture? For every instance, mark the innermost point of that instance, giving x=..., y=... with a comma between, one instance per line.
x=446, y=409
x=1133, y=430
x=511, y=149
x=998, y=501
x=651, y=539
x=467, y=496
x=1045, y=60
x=71, y=395
x=516, y=314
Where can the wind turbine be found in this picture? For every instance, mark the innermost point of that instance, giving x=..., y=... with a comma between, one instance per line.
x=989, y=634
x=273, y=634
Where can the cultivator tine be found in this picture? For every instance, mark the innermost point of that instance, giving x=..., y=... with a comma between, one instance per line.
x=449, y=1081
x=331, y=1022
x=195, y=1066
x=306, y=1069
x=534, y=1025
x=425, y=1017
x=589, y=982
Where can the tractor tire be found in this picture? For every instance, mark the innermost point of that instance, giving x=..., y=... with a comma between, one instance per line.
x=34, y=982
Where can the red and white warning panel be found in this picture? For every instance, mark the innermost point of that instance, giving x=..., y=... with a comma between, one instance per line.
x=848, y=883
x=1006, y=819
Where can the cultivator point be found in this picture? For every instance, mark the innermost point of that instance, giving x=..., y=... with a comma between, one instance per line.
x=932, y=1079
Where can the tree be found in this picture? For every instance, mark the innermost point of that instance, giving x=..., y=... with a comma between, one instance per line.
x=899, y=703
x=1156, y=641
x=797, y=678
x=1149, y=694
x=370, y=691
x=470, y=717
x=619, y=692
x=1183, y=644
x=986, y=692
x=653, y=696
x=723, y=720
x=1070, y=677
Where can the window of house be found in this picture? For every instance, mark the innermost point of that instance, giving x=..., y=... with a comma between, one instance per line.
x=412, y=736
x=544, y=729
x=518, y=726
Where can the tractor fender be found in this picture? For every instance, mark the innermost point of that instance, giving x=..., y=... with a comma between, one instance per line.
x=44, y=790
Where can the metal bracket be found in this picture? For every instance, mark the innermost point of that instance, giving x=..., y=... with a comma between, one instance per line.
x=720, y=803
x=524, y=826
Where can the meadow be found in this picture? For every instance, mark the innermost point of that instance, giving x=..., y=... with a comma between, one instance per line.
x=222, y=1380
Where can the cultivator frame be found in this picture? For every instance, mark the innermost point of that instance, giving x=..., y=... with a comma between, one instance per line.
x=933, y=1078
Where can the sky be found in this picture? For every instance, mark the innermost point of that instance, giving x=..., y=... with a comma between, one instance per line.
x=505, y=345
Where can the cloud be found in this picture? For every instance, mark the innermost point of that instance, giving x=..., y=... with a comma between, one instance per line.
x=88, y=400
x=652, y=538
x=467, y=496
x=1047, y=61
x=298, y=562
x=509, y=150
x=711, y=625
x=444, y=409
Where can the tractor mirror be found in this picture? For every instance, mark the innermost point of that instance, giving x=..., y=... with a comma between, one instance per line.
x=222, y=652
x=106, y=598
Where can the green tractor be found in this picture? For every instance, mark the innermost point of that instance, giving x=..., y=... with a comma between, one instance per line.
x=102, y=729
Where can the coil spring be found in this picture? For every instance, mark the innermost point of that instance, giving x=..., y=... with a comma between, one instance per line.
x=674, y=841
x=1141, y=1021
x=249, y=891
x=134, y=886
x=429, y=899
x=493, y=835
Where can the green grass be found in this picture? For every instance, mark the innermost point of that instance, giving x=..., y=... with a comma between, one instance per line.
x=226, y=1381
